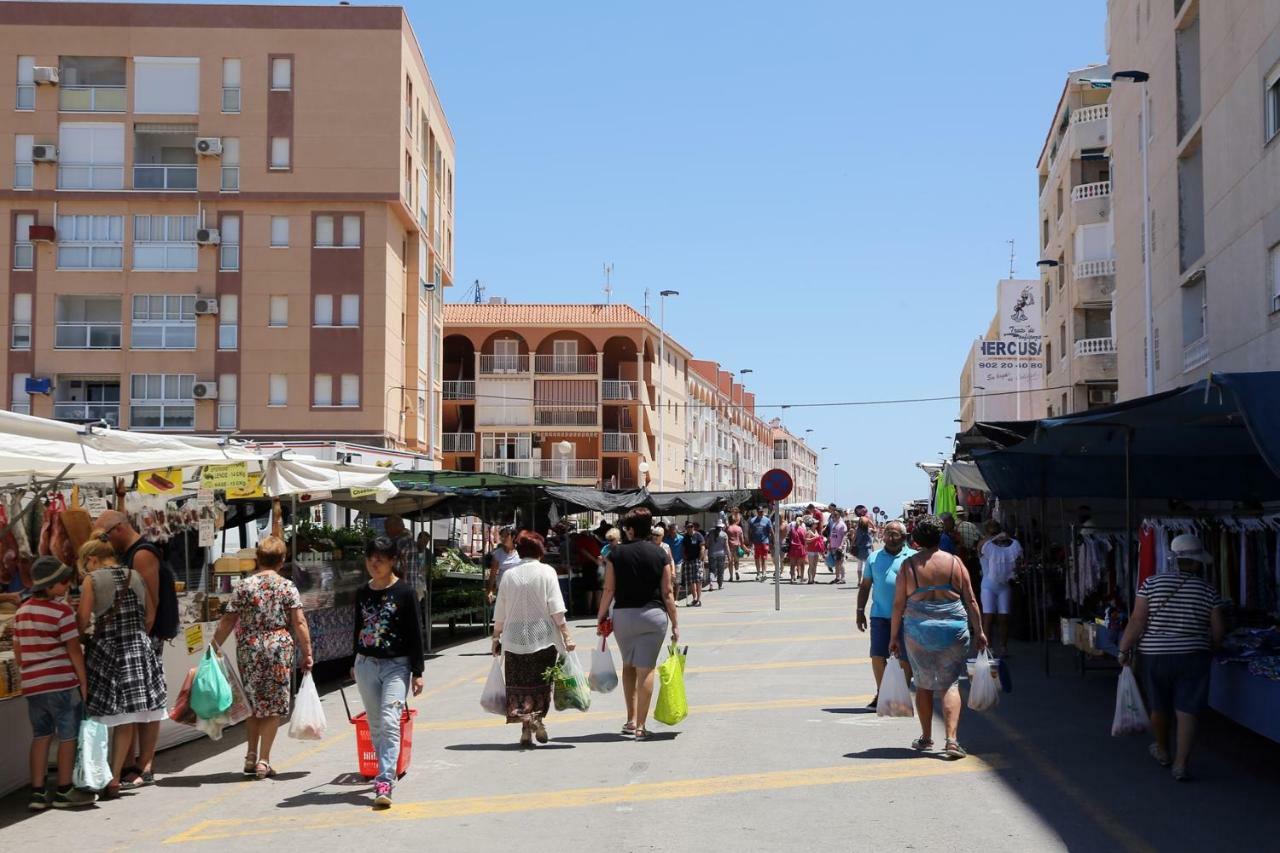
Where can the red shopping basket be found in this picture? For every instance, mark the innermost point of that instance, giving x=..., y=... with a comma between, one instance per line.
x=366, y=756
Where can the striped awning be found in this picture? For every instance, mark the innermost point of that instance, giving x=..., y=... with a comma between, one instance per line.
x=168, y=129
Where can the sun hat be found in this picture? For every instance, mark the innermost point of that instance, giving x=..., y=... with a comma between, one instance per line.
x=48, y=571
x=1188, y=546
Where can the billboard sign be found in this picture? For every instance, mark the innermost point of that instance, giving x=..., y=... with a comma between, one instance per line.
x=1008, y=372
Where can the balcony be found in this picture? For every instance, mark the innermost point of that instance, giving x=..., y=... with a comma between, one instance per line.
x=1091, y=269
x=509, y=467
x=621, y=442
x=180, y=178
x=87, y=336
x=569, y=470
x=503, y=365
x=1090, y=128
x=1095, y=346
x=92, y=84
x=1091, y=203
x=458, y=442
x=566, y=365
x=92, y=99
x=87, y=412
x=164, y=157
x=565, y=416
x=1092, y=291
x=459, y=389
x=620, y=390
x=1195, y=353
x=90, y=176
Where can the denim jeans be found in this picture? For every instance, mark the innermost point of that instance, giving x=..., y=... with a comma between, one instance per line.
x=384, y=687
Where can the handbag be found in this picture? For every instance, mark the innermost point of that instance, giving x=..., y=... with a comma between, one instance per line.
x=673, y=705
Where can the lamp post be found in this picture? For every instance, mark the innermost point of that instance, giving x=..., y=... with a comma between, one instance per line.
x=836, y=496
x=662, y=375
x=1142, y=77
x=982, y=401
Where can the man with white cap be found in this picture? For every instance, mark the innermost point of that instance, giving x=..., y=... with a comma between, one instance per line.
x=717, y=556
x=1176, y=622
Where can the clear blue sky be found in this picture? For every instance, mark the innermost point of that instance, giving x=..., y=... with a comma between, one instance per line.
x=829, y=185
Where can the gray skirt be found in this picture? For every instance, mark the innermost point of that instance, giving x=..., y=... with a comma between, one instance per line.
x=640, y=632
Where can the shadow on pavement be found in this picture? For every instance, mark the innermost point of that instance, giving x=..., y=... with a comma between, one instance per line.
x=596, y=738
x=848, y=710
x=326, y=798
x=504, y=747
x=899, y=752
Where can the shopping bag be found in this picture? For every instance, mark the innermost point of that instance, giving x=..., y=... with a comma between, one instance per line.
x=307, y=722
x=181, y=711
x=895, y=698
x=494, y=696
x=93, y=769
x=1131, y=715
x=239, y=711
x=673, y=705
x=570, y=684
x=603, y=676
x=984, y=690
x=210, y=692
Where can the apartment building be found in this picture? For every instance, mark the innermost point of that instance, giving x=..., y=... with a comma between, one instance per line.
x=574, y=393
x=793, y=455
x=1213, y=145
x=728, y=446
x=1077, y=248
x=224, y=219
x=1003, y=378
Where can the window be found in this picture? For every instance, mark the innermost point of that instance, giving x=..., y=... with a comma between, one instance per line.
x=277, y=390
x=1048, y=357
x=350, y=389
x=90, y=156
x=1273, y=273
x=350, y=310
x=408, y=105
x=350, y=231
x=162, y=401
x=87, y=322
x=279, y=232
x=231, y=86
x=164, y=243
x=21, y=328
x=92, y=84
x=24, y=253
x=323, y=313
x=26, y=83
x=281, y=74
x=324, y=231
x=506, y=356
x=1044, y=233
x=1195, y=309
x=229, y=248
x=229, y=322
x=323, y=390
x=227, y=401
x=280, y=152
x=1062, y=340
x=20, y=400
x=279, y=313
x=1191, y=243
x=163, y=322
x=1273, y=104
x=166, y=85
x=23, y=168
x=1048, y=295
x=230, y=164
x=90, y=242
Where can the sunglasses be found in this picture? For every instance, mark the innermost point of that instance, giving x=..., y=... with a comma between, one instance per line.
x=105, y=536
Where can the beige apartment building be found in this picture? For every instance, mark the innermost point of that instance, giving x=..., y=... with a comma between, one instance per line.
x=793, y=455
x=1077, y=249
x=224, y=218
x=728, y=446
x=1214, y=173
x=573, y=393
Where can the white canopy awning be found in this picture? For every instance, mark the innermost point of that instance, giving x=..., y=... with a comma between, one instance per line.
x=289, y=473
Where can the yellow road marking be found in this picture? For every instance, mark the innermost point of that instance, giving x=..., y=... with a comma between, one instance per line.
x=808, y=638
x=691, y=789
x=781, y=664
x=750, y=622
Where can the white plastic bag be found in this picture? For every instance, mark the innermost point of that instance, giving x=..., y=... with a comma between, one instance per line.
x=494, y=697
x=984, y=691
x=895, y=699
x=603, y=677
x=570, y=688
x=93, y=770
x=1131, y=715
x=307, y=722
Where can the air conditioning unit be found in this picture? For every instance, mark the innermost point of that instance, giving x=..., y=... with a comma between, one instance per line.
x=209, y=146
x=1101, y=396
x=42, y=234
x=208, y=236
x=206, y=305
x=44, y=74
x=205, y=391
x=44, y=153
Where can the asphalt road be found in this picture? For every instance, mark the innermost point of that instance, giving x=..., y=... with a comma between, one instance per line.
x=777, y=754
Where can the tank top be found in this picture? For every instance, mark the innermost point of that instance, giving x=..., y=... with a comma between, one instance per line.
x=637, y=574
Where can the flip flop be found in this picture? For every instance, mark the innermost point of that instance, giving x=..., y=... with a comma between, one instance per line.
x=954, y=750
x=1161, y=757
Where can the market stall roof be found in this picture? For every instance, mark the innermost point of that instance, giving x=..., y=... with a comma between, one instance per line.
x=289, y=473
x=1218, y=439
x=659, y=503
x=965, y=475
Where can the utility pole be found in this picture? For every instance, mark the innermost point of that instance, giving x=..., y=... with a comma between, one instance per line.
x=1011, y=256
x=608, y=284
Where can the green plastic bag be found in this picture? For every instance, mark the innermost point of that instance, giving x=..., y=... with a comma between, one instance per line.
x=672, y=707
x=210, y=692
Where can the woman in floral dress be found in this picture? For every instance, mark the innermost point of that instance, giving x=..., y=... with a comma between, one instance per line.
x=262, y=609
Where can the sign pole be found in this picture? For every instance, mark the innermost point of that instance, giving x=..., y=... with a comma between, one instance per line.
x=777, y=557
x=776, y=486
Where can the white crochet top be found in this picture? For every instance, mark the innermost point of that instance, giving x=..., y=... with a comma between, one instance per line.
x=528, y=597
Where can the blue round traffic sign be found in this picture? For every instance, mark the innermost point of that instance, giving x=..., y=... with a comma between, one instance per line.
x=776, y=485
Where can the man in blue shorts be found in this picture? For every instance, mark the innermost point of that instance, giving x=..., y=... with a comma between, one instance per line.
x=879, y=580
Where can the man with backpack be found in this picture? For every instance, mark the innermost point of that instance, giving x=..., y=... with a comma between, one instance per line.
x=147, y=560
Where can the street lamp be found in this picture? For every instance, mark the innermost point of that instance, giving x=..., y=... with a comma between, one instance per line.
x=836, y=496
x=744, y=371
x=662, y=370
x=982, y=399
x=1142, y=77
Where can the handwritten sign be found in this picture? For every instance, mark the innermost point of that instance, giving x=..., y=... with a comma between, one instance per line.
x=233, y=476
x=161, y=481
x=251, y=489
x=362, y=492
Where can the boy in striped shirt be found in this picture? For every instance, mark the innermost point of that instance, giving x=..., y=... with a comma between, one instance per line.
x=46, y=645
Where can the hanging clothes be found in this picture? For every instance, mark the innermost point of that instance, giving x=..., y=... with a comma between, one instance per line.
x=944, y=499
x=1146, y=553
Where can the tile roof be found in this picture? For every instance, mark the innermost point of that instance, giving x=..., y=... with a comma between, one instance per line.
x=541, y=314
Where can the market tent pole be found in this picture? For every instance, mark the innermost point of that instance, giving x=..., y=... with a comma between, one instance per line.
x=1128, y=502
x=1041, y=605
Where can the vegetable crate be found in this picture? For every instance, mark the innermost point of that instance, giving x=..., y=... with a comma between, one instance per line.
x=366, y=755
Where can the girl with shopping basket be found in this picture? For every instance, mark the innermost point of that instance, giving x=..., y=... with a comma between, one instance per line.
x=388, y=644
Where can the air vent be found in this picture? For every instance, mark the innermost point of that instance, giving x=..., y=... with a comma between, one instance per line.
x=206, y=305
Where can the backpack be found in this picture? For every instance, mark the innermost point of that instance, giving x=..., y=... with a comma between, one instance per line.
x=166, y=625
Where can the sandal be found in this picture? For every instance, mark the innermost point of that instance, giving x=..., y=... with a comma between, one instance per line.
x=540, y=731
x=954, y=750
x=263, y=770
x=251, y=764
x=111, y=792
x=1180, y=774
x=131, y=778
x=922, y=744
x=629, y=728
x=1158, y=753
x=642, y=733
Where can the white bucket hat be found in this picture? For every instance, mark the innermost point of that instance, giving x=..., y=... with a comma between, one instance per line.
x=1188, y=546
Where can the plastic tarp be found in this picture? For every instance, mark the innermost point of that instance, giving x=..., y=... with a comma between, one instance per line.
x=290, y=474
x=659, y=503
x=1218, y=439
x=965, y=475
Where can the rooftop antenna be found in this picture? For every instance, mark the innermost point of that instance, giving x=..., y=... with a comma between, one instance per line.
x=477, y=290
x=646, y=303
x=1011, y=256
x=608, y=284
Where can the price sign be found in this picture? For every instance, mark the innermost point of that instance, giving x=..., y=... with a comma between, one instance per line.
x=233, y=476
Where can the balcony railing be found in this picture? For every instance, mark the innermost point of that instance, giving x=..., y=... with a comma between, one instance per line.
x=616, y=389
x=92, y=99
x=564, y=416
x=1089, y=269
x=502, y=365
x=459, y=389
x=1084, y=192
x=87, y=336
x=1095, y=346
x=161, y=177
x=1097, y=112
x=458, y=442
x=1195, y=353
x=90, y=176
x=87, y=412
x=509, y=467
x=565, y=365
x=568, y=470
x=620, y=442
